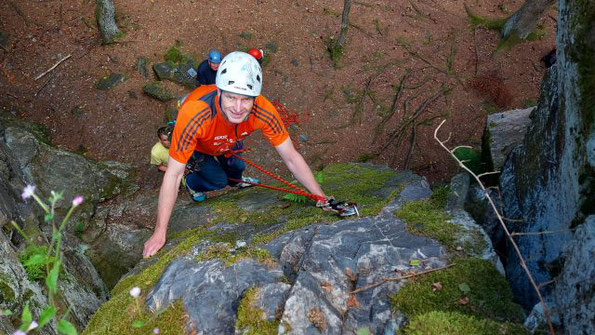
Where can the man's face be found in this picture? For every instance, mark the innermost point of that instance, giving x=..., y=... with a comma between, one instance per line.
x=164, y=141
x=214, y=66
x=236, y=107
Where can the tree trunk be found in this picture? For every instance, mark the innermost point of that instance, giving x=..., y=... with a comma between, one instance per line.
x=105, y=14
x=524, y=21
x=344, y=23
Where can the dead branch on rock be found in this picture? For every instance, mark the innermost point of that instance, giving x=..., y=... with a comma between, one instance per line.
x=365, y=288
x=501, y=220
x=53, y=67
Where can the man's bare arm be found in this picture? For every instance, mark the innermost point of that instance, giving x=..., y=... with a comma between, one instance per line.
x=167, y=199
x=298, y=166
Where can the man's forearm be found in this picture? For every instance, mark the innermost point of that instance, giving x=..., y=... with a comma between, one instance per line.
x=167, y=199
x=301, y=171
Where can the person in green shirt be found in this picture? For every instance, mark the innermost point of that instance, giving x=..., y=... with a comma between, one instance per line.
x=160, y=151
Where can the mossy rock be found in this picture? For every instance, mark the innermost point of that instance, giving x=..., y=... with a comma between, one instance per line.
x=157, y=91
x=478, y=280
x=141, y=66
x=371, y=186
x=110, y=81
x=453, y=323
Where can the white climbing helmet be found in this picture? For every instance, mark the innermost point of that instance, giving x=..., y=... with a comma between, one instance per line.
x=240, y=73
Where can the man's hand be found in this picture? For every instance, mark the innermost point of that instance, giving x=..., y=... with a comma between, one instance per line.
x=153, y=245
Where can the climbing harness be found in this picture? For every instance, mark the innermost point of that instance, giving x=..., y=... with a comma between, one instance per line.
x=342, y=208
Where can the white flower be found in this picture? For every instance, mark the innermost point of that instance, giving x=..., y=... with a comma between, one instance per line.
x=32, y=326
x=156, y=331
x=77, y=200
x=28, y=191
x=135, y=292
x=19, y=332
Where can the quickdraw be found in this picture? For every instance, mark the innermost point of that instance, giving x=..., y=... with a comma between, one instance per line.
x=329, y=204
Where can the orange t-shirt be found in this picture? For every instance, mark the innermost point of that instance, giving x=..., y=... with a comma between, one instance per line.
x=200, y=125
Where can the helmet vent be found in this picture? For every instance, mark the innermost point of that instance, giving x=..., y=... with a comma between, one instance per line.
x=224, y=71
x=249, y=86
x=230, y=82
x=258, y=78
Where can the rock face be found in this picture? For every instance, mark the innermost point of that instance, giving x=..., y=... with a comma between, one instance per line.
x=322, y=264
x=504, y=132
x=548, y=182
x=24, y=159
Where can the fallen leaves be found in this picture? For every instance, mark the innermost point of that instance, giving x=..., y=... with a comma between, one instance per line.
x=352, y=302
x=326, y=286
x=318, y=319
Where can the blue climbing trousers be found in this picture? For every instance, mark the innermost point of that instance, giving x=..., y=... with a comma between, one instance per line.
x=209, y=173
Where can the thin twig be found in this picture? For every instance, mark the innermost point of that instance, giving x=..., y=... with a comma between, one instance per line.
x=543, y=232
x=53, y=67
x=395, y=106
x=411, y=146
x=487, y=173
x=545, y=283
x=42, y=87
x=476, y=53
x=411, y=119
x=365, y=288
x=512, y=241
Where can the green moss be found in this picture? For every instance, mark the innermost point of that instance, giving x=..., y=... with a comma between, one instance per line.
x=6, y=293
x=583, y=54
x=151, y=274
x=120, y=312
x=251, y=319
x=425, y=218
x=452, y=323
x=175, y=56
x=489, y=294
x=223, y=252
x=488, y=23
x=40, y=131
x=507, y=43
x=335, y=51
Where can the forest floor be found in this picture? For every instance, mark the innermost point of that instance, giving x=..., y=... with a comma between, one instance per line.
x=346, y=113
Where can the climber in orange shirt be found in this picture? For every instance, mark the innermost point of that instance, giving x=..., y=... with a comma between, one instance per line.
x=212, y=121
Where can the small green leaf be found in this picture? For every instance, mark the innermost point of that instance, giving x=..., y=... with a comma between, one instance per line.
x=35, y=260
x=464, y=288
x=415, y=262
x=48, y=217
x=66, y=328
x=319, y=177
x=26, y=318
x=363, y=331
x=6, y=312
x=138, y=324
x=47, y=315
x=52, y=279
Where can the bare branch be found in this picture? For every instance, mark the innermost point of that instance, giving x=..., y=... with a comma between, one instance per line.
x=512, y=241
x=371, y=286
x=53, y=67
x=487, y=173
x=543, y=232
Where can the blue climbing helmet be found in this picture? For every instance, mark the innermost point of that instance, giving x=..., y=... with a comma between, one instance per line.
x=214, y=56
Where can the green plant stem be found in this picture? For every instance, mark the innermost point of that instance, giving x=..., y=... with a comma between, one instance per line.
x=21, y=231
x=41, y=203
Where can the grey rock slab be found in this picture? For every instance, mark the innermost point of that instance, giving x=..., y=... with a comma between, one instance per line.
x=141, y=66
x=506, y=131
x=219, y=287
x=574, y=286
x=370, y=249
